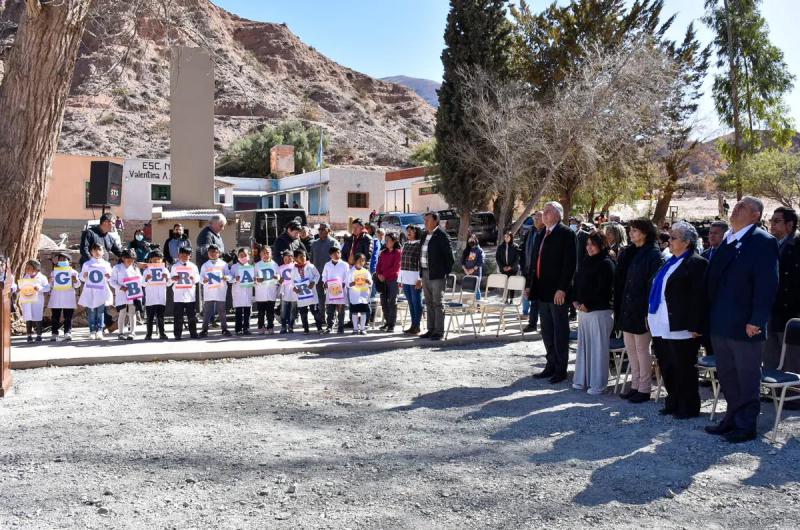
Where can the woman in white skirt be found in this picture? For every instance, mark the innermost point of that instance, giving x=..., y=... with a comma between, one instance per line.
x=594, y=285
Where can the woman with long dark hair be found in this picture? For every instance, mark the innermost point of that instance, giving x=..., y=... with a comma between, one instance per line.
x=409, y=276
x=637, y=266
x=388, y=270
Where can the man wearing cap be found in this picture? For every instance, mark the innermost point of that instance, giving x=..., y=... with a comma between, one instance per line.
x=320, y=255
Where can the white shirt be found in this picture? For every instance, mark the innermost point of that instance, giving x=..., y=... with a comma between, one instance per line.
x=118, y=274
x=267, y=290
x=92, y=298
x=185, y=295
x=218, y=293
x=311, y=274
x=659, y=322
x=731, y=236
x=241, y=296
x=156, y=294
x=66, y=299
x=356, y=295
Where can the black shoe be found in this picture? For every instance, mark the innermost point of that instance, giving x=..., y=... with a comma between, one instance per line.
x=666, y=411
x=719, y=429
x=629, y=394
x=203, y=334
x=530, y=329
x=226, y=333
x=544, y=374
x=163, y=336
x=557, y=378
x=389, y=330
x=383, y=328
x=738, y=436
x=685, y=415
x=178, y=338
x=413, y=330
x=149, y=336
x=306, y=332
x=639, y=397
x=30, y=339
x=193, y=335
x=436, y=336
x=426, y=335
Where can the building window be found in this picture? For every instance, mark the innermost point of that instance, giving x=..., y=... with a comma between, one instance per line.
x=222, y=197
x=357, y=200
x=160, y=192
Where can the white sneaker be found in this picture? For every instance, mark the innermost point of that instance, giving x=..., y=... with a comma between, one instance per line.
x=92, y=335
x=66, y=337
x=98, y=336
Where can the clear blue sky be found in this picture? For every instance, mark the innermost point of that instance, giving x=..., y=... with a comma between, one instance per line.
x=405, y=37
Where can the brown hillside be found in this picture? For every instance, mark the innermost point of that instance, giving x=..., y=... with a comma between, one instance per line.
x=264, y=74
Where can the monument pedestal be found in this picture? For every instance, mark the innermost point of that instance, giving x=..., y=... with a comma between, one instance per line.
x=5, y=340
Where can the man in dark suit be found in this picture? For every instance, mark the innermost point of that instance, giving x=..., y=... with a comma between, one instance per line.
x=532, y=241
x=550, y=279
x=783, y=227
x=741, y=282
x=716, y=233
x=436, y=262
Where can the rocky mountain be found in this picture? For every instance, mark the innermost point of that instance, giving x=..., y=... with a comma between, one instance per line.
x=119, y=102
x=425, y=88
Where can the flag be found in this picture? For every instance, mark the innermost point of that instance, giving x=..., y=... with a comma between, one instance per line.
x=320, y=150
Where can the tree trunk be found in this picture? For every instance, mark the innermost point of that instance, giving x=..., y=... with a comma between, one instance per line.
x=506, y=205
x=32, y=101
x=734, y=75
x=662, y=204
x=592, y=208
x=463, y=228
x=566, y=203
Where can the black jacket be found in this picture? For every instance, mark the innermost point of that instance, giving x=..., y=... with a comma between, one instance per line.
x=514, y=255
x=787, y=302
x=635, y=270
x=594, y=282
x=363, y=245
x=685, y=295
x=205, y=238
x=440, y=255
x=285, y=242
x=558, y=264
x=93, y=235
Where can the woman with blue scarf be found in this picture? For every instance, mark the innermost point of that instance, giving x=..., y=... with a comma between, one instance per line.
x=676, y=317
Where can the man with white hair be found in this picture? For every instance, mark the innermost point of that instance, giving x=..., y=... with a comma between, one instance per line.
x=741, y=284
x=211, y=235
x=549, y=280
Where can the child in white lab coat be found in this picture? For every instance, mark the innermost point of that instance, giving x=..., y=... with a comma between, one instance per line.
x=305, y=277
x=359, y=286
x=64, y=282
x=126, y=309
x=335, y=272
x=243, y=278
x=96, y=293
x=155, y=290
x=266, y=290
x=215, y=290
x=288, y=296
x=32, y=301
x=185, y=277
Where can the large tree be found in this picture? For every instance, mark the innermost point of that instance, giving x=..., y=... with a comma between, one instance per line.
x=477, y=35
x=748, y=92
x=33, y=96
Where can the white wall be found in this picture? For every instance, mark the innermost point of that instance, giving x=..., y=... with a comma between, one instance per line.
x=344, y=180
x=138, y=175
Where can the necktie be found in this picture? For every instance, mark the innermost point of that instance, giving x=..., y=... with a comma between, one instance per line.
x=539, y=257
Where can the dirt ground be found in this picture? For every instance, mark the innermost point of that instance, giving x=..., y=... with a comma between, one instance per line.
x=439, y=437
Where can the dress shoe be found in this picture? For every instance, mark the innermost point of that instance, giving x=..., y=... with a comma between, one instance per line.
x=529, y=329
x=426, y=335
x=413, y=330
x=719, y=429
x=557, y=378
x=667, y=411
x=629, y=394
x=544, y=374
x=738, y=436
x=639, y=397
x=436, y=336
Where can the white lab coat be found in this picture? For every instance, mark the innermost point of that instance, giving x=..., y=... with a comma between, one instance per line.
x=185, y=295
x=35, y=311
x=309, y=272
x=216, y=294
x=242, y=296
x=267, y=291
x=118, y=274
x=92, y=298
x=64, y=299
x=156, y=294
x=355, y=295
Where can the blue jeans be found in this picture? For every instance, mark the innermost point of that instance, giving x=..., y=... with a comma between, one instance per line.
x=96, y=318
x=288, y=313
x=414, y=297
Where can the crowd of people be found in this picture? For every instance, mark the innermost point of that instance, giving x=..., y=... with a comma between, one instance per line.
x=657, y=289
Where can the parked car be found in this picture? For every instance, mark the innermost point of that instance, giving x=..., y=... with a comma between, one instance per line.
x=262, y=227
x=482, y=224
x=398, y=222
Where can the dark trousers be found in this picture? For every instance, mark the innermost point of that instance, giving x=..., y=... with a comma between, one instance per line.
x=320, y=287
x=155, y=314
x=555, y=335
x=179, y=309
x=677, y=359
x=335, y=310
x=533, y=314
x=31, y=325
x=242, y=322
x=56, y=319
x=739, y=374
x=314, y=312
x=389, y=303
x=266, y=313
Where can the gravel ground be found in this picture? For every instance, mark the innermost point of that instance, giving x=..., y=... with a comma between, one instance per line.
x=414, y=438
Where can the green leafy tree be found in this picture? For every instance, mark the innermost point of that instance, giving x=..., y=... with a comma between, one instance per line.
x=477, y=34
x=748, y=92
x=424, y=155
x=775, y=174
x=249, y=157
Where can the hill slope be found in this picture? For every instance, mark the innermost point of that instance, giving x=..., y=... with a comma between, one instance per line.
x=264, y=74
x=425, y=88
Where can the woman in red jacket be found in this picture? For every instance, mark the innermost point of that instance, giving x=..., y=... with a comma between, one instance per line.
x=388, y=271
